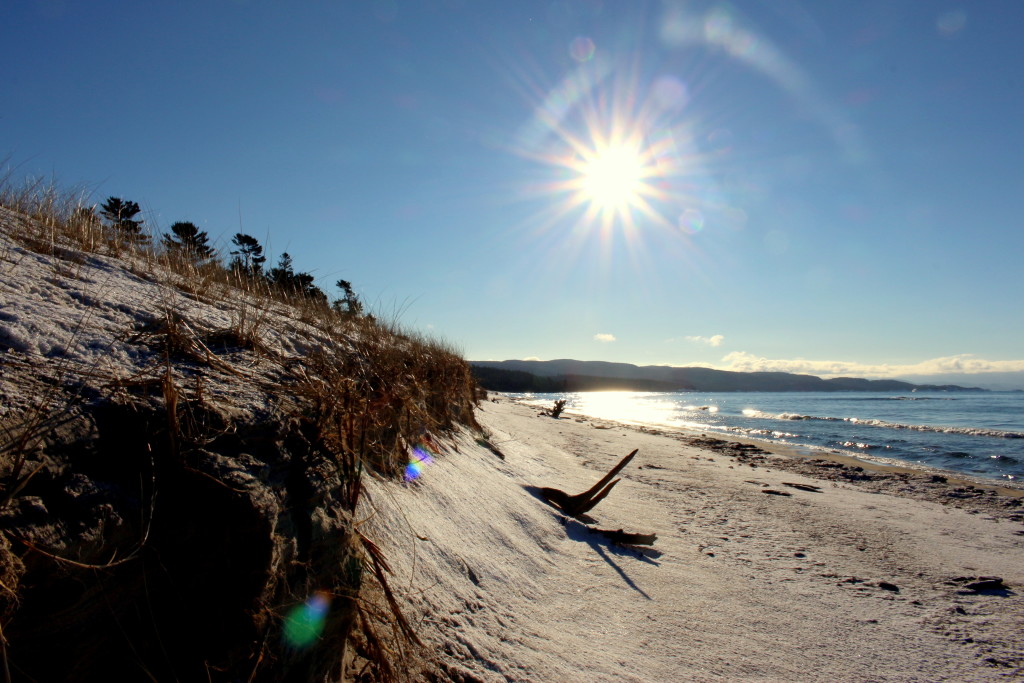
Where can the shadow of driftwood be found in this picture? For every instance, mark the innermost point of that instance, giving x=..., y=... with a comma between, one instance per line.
x=609, y=550
x=1001, y=592
x=982, y=585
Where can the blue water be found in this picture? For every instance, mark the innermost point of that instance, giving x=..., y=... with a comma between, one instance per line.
x=976, y=433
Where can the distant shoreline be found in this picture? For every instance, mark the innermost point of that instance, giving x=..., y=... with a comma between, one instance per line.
x=573, y=375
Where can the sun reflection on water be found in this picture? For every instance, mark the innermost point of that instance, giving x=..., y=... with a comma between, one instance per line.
x=626, y=406
x=636, y=407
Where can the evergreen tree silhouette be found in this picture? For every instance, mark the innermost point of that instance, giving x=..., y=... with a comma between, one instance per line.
x=188, y=238
x=304, y=285
x=121, y=215
x=283, y=276
x=249, y=258
x=349, y=303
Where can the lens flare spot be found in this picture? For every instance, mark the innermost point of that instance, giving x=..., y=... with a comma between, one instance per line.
x=718, y=26
x=670, y=93
x=582, y=49
x=691, y=221
x=418, y=461
x=952, y=22
x=720, y=140
x=304, y=623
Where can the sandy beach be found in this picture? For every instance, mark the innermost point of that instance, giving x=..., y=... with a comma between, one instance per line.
x=766, y=566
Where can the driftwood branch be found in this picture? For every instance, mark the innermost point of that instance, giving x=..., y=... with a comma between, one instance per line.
x=581, y=503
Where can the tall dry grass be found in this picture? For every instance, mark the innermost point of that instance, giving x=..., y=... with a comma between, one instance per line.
x=368, y=394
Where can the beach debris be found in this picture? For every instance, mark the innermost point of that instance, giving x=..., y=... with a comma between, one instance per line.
x=776, y=493
x=886, y=586
x=803, y=487
x=555, y=410
x=581, y=503
x=978, y=584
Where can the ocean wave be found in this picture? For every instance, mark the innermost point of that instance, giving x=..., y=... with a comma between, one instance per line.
x=970, y=431
x=904, y=398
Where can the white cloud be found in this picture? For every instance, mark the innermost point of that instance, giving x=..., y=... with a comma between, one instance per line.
x=965, y=363
x=715, y=340
x=604, y=337
x=531, y=358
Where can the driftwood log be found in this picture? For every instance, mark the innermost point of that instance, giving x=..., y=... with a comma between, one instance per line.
x=582, y=503
x=577, y=506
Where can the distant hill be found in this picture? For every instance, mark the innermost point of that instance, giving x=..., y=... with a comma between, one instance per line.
x=576, y=375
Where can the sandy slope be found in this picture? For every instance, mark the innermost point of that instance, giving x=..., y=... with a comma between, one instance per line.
x=740, y=584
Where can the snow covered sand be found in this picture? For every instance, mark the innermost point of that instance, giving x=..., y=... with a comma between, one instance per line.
x=842, y=584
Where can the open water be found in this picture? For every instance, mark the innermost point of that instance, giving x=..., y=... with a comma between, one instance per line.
x=976, y=433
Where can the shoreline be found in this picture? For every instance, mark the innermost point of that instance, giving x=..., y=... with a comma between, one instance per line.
x=802, y=456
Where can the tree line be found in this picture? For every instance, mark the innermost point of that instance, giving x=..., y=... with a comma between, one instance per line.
x=247, y=259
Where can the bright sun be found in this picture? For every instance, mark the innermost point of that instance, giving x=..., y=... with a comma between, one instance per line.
x=613, y=178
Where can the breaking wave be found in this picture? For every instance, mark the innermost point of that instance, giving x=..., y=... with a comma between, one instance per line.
x=971, y=431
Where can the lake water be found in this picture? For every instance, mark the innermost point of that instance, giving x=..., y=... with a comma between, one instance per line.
x=976, y=433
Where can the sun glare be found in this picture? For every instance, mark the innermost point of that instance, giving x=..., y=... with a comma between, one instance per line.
x=613, y=179
x=617, y=162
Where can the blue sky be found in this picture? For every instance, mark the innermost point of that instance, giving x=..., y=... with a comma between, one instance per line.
x=826, y=187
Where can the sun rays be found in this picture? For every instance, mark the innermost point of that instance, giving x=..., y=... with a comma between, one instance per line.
x=609, y=158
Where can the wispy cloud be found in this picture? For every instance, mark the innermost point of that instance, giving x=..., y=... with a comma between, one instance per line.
x=715, y=340
x=726, y=30
x=961, y=364
x=604, y=337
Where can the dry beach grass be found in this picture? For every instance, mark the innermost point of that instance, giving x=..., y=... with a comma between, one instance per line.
x=183, y=451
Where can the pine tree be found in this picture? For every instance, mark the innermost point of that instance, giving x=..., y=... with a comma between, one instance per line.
x=350, y=303
x=304, y=285
x=283, y=276
x=121, y=215
x=287, y=280
x=190, y=240
x=249, y=258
